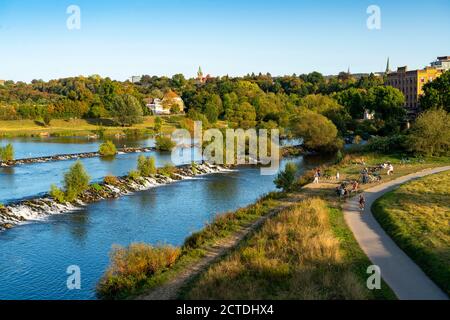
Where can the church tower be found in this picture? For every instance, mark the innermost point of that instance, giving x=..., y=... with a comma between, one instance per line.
x=388, y=68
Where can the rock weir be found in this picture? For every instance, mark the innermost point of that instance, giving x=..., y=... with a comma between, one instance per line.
x=71, y=156
x=36, y=209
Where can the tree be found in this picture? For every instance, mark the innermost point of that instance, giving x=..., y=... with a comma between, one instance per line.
x=76, y=181
x=107, y=149
x=285, y=179
x=158, y=124
x=430, y=134
x=7, y=152
x=47, y=118
x=164, y=143
x=387, y=102
x=127, y=110
x=436, y=94
x=146, y=166
x=317, y=132
x=353, y=100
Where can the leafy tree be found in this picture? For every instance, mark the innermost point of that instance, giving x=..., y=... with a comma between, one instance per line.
x=76, y=181
x=146, y=166
x=317, y=132
x=7, y=152
x=436, y=94
x=430, y=134
x=164, y=143
x=387, y=102
x=127, y=110
x=285, y=180
x=107, y=149
x=353, y=100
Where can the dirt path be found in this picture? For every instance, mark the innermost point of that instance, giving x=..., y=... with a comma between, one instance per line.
x=171, y=289
x=404, y=277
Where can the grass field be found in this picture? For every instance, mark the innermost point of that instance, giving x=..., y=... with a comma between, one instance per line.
x=80, y=127
x=295, y=255
x=417, y=217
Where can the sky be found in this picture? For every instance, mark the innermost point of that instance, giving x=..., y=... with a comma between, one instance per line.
x=119, y=39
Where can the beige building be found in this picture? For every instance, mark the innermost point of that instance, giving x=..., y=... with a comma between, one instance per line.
x=411, y=82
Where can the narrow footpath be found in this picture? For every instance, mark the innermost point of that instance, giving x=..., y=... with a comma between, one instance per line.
x=404, y=277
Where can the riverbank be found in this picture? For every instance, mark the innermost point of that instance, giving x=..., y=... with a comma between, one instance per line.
x=191, y=266
x=34, y=209
x=84, y=127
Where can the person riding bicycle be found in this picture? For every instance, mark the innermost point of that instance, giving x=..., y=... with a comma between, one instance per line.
x=362, y=202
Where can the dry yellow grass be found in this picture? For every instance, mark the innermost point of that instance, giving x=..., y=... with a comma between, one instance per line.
x=295, y=255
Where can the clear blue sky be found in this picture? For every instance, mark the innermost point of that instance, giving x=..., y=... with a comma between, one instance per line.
x=163, y=37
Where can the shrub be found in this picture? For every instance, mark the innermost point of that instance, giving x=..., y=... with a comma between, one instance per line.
x=7, y=152
x=76, y=181
x=167, y=170
x=132, y=265
x=57, y=194
x=164, y=143
x=107, y=149
x=194, y=167
x=134, y=175
x=146, y=166
x=392, y=144
x=96, y=187
x=285, y=179
x=111, y=180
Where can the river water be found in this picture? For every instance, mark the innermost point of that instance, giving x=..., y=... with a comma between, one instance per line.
x=34, y=257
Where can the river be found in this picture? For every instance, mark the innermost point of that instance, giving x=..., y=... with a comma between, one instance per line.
x=34, y=256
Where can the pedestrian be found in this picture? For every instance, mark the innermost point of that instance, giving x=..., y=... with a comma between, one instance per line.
x=316, y=178
x=362, y=202
x=337, y=176
x=390, y=169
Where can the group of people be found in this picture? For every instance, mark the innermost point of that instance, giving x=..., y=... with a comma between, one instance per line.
x=344, y=189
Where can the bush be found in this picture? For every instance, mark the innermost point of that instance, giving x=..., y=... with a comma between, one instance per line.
x=146, y=166
x=111, y=180
x=76, y=181
x=96, y=187
x=392, y=144
x=57, y=194
x=132, y=265
x=107, y=149
x=134, y=175
x=47, y=119
x=285, y=179
x=164, y=143
x=167, y=170
x=7, y=153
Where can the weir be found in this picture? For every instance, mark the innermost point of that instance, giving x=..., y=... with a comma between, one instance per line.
x=35, y=209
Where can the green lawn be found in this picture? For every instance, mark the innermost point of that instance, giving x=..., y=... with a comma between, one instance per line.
x=417, y=217
x=80, y=127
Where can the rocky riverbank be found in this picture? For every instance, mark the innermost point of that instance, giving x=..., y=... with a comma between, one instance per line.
x=35, y=209
x=72, y=156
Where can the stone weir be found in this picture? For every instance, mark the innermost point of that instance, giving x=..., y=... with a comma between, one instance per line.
x=36, y=209
x=71, y=156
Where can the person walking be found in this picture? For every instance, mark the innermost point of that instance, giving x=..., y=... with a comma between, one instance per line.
x=390, y=169
x=362, y=202
x=338, y=176
x=316, y=178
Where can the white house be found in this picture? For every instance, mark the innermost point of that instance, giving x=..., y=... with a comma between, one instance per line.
x=156, y=107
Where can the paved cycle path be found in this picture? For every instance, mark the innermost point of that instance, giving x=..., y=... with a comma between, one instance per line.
x=404, y=277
